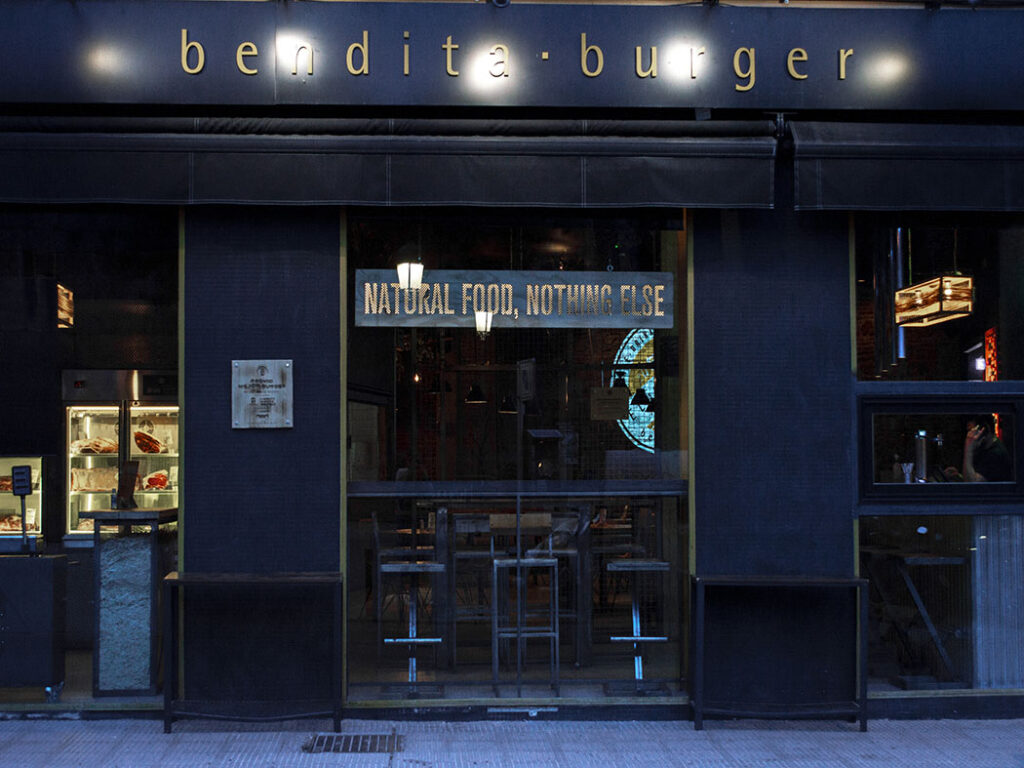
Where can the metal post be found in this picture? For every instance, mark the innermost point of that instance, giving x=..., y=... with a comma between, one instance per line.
x=519, y=541
x=24, y=528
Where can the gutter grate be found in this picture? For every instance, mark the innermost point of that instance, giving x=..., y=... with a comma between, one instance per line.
x=353, y=743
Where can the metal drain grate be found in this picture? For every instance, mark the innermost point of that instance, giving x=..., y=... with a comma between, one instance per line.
x=352, y=743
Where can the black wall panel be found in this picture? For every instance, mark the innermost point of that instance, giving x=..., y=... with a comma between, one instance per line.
x=262, y=284
x=780, y=647
x=772, y=389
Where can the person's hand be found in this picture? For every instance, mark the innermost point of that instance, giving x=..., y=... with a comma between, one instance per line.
x=974, y=435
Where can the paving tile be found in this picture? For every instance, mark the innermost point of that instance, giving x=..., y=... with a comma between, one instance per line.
x=520, y=744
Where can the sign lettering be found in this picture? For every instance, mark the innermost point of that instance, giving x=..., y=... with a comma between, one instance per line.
x=517, y=299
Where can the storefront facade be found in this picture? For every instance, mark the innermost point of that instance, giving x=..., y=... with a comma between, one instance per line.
x=687, y=227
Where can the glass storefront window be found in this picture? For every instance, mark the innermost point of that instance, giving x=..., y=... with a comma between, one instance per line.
x=938, y=300
x=559, y=433
x=946, y=601
x=943, y=447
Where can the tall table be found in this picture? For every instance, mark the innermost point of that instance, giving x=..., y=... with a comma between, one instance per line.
x=128, y=568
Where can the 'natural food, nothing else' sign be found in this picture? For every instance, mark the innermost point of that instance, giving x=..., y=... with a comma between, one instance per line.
x=542, y=299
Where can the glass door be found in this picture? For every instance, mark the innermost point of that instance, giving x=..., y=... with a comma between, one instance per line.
x=93, y=449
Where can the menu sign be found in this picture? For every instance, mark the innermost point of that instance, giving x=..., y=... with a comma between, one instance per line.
x=524, y=299
x=261, y=394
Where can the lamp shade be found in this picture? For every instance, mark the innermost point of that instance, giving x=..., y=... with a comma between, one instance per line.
x=483, y=321
x=475, y=394
x=934, y=301
x=410, y=275
x=508, y=405
x=640, y=399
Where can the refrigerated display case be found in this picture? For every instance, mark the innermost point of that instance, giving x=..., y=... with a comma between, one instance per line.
x=112, y=417
x=10, y=505
x=95, y=456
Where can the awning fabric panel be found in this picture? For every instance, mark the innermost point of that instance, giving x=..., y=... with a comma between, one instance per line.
x=851, y=166
x=389, y=163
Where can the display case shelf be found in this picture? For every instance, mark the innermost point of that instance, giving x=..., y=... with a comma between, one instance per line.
x=92, y=476
x=10, y=505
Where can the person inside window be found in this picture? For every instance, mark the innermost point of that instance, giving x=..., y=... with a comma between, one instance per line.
x=985, y=457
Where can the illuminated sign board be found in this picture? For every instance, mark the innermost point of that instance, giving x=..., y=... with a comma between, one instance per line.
x=522, y=55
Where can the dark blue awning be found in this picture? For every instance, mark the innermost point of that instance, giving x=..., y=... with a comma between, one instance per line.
x=858, y=166
x=575, y=163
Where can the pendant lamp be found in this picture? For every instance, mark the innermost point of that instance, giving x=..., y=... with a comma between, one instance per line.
x=483, y=322
x=936, y=300
x=475, y=394
x=410, y=275
x=640, y=399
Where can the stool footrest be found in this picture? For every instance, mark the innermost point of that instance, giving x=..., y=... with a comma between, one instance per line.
x=526, y=632
x=637, y=564
x=412, y=640
x=413, y=566
x=526, y=562
x=638, y=639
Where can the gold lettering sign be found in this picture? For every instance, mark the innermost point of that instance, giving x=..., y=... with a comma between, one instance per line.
x=498, y=62
x=526, y=299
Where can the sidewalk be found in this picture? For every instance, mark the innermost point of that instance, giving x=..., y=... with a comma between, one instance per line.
x=520, y=744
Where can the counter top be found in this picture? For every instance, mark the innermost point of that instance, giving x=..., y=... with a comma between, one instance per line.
x=159, y=515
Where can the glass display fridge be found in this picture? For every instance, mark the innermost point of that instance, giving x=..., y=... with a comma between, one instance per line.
x=113, y=417
x=10, y=506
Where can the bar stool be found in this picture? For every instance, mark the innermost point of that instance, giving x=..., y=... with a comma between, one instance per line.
x=520, y=631
x=637, y=566
x=413, y=569
x=469, y=558
x=389, y=552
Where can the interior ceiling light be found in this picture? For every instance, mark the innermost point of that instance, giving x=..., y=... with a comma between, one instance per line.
x=640, y=399
x=483, y=322
x=936, y=300
x=475, y=394
x=410, y=275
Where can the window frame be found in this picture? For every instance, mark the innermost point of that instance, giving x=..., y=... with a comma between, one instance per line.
x=876, y=398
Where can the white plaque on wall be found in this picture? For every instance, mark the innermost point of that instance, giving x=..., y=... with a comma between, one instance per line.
x=261, y=394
